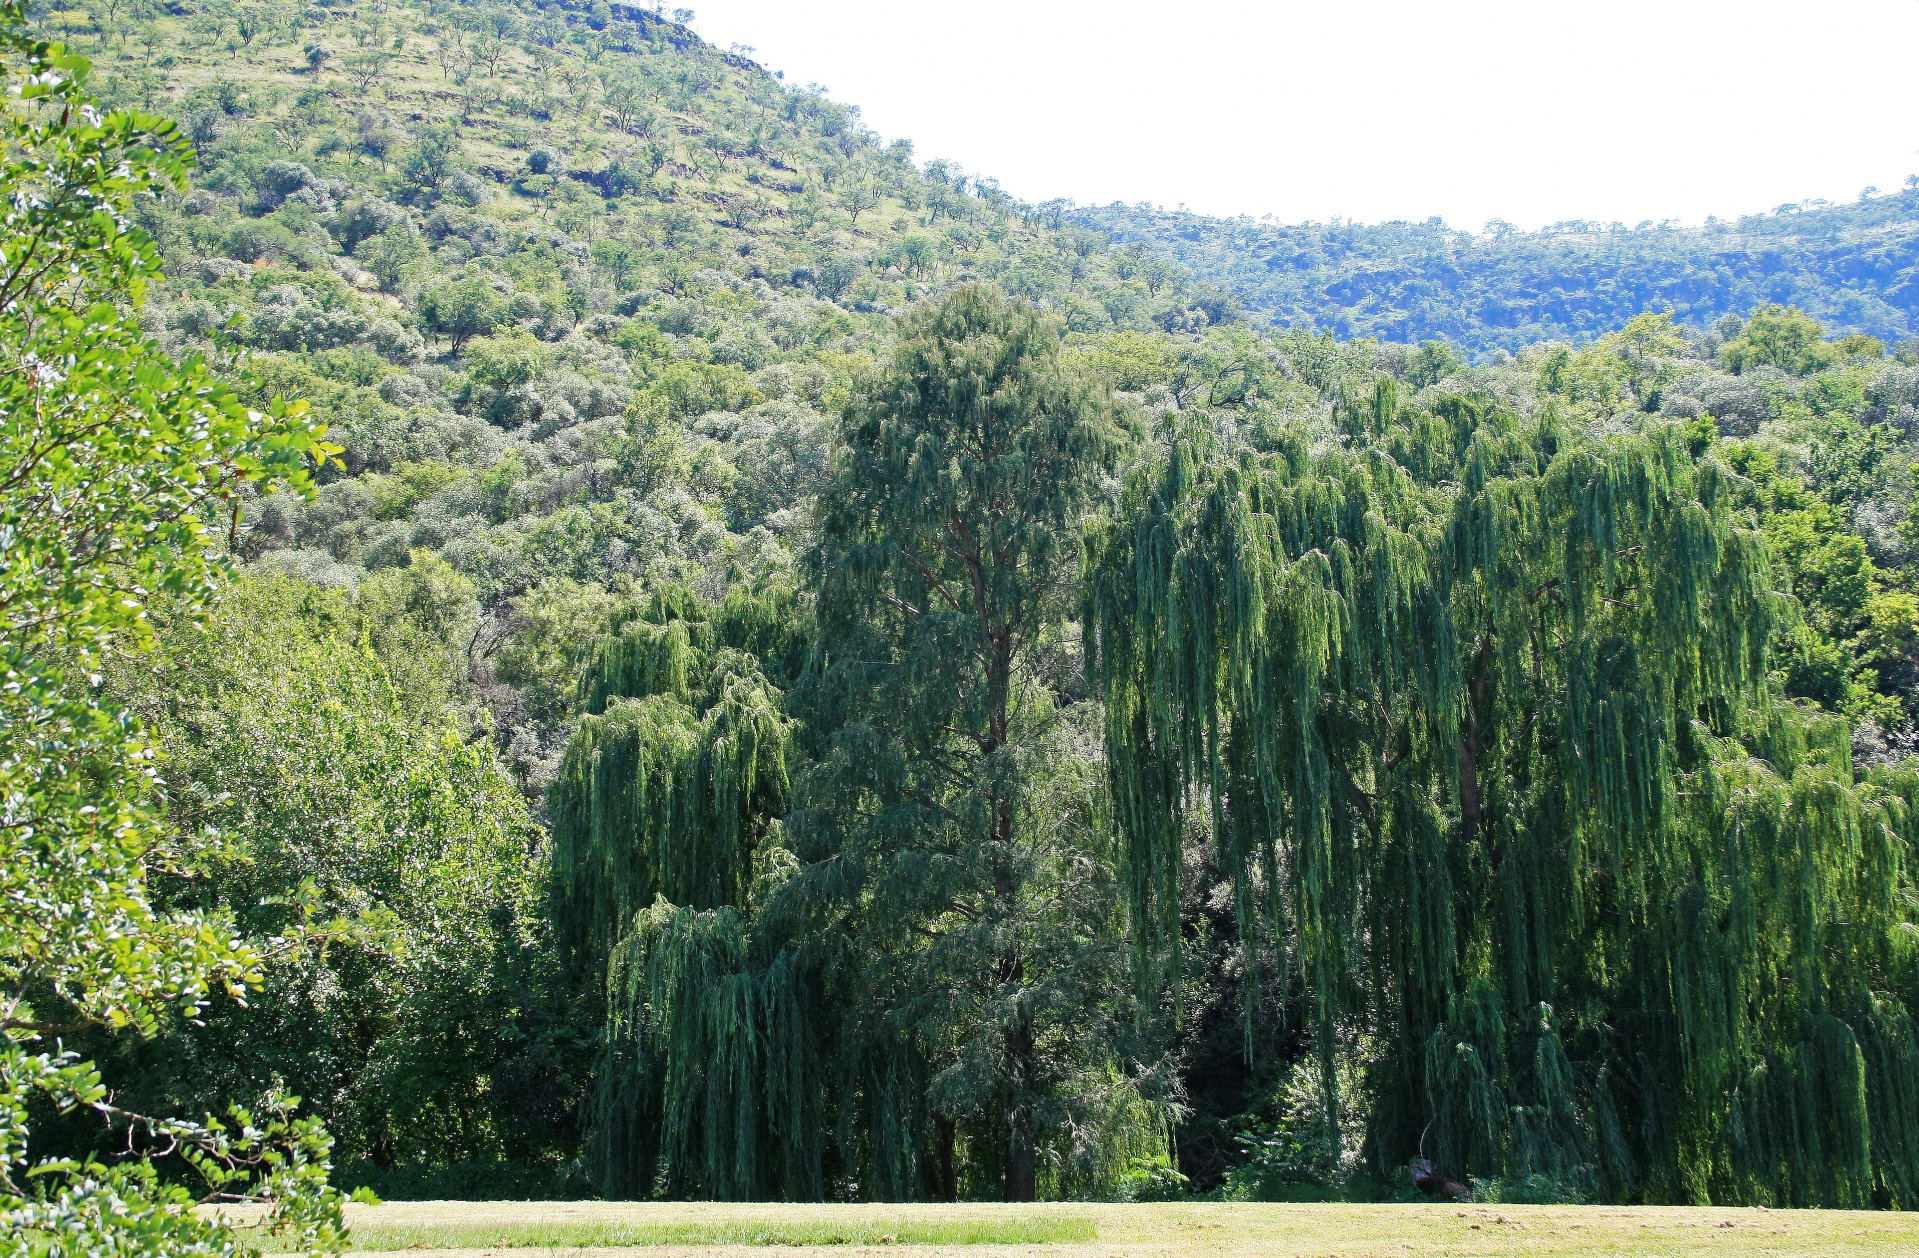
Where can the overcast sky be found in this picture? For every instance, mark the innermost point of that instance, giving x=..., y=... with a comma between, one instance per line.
x=1525, y=110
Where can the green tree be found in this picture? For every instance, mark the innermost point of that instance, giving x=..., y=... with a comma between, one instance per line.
x=316, y=731
x=365, y=66
x=505, y=362
x=948, y=536
x=434, y=157
x=548, y=627
x=617, y=257
x=665, y=843
x=392, y=255
x=1432, y=362
x=112, y=468
x=1461, y=730
x=858, y=199
x=462, y=308
x=545, y=168
x=1780, y=336
x=628, y=103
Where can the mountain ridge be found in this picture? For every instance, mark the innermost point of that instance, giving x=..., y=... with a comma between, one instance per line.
x=1854, y=267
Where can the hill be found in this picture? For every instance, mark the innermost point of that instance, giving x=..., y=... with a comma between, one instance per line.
x=574, y=290
x=1854, y=267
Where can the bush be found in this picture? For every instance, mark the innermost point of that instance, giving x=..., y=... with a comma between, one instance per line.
x=463, y=308
x=280, y=180
x=1304, y=1155
x=1532, y=1190
x=1783, y=337
x=366, y=219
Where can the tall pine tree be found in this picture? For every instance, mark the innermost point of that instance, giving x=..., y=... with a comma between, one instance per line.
x=949, y=539
x=907, y=986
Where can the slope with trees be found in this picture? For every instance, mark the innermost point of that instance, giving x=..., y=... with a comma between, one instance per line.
x=1854, y=267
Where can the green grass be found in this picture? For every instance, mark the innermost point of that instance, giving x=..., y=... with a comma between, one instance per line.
x=1086, y=1230
x=1018, y=1230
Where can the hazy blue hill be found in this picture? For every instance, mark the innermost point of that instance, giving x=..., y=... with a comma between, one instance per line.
x=1854, y=267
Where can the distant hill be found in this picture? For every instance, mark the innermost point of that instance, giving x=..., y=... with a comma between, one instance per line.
x=1854, y=267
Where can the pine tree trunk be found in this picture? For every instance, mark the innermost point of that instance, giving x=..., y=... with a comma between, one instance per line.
x=1020, y=1073
x=1470, y=815
x=1019, y=1157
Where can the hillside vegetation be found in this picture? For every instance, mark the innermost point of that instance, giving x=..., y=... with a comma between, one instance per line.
x=574, y=292
x=1854, y=267
x=804, y=677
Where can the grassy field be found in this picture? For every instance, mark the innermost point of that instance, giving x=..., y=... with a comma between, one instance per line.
x=578, y=1229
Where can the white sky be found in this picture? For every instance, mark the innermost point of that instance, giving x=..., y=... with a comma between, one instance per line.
x=1528, y=110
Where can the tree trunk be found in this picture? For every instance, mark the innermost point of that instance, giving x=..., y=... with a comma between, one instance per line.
x=1470, y=814
x=946, y=1137
x=1019, y=1157
x=1020, y=1153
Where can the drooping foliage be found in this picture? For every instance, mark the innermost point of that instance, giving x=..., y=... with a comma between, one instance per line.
x=664, y=808
x=711, y=1082
x=879, y=989
x=1489, y=739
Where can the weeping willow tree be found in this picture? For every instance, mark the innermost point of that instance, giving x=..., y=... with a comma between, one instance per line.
x=664, y=833
x=1477, y=714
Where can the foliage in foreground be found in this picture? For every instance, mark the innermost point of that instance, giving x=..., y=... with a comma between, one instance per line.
x=111, y=458
x=311, y=728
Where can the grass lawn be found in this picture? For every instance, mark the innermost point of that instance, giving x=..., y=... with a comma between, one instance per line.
x=551, y=1229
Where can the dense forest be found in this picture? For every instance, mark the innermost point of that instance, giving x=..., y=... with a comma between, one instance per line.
x=1853, y=267
x=613, y=634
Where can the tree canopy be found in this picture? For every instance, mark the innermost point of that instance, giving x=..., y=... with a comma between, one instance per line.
x=1492, y=748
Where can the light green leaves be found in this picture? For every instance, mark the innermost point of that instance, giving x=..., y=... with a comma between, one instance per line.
x=118, y=469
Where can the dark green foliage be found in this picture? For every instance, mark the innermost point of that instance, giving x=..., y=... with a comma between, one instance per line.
x=663, y=792
x=711, y=1086
x=834, y=905
x=1497, y=754
x=946, y=536
x=668, y=796
x=882, y=988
